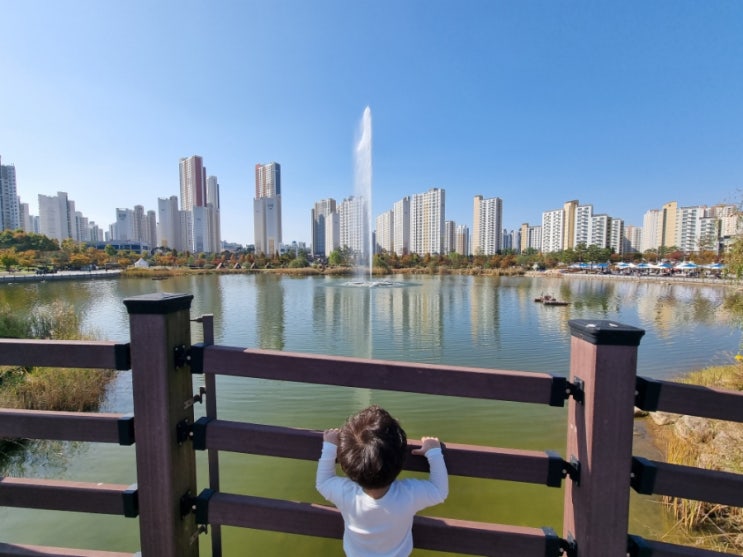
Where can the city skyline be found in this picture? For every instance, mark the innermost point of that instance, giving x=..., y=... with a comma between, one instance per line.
x=628, y=105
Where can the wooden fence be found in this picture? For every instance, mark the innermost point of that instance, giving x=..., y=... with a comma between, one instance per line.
x=598, y=468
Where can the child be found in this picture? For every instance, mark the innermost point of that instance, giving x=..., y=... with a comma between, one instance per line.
x=377, y=508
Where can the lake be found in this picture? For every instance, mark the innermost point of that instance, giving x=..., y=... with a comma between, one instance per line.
x=461, y=320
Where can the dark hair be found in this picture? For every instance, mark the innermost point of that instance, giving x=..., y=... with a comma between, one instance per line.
x=372, y=448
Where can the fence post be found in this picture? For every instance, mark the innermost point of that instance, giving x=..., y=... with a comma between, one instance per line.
x=160, y=332
x=603, y=362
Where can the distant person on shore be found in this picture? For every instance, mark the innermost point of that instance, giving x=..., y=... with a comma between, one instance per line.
x=377, y=508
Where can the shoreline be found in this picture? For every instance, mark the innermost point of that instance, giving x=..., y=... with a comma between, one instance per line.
x=11, y=278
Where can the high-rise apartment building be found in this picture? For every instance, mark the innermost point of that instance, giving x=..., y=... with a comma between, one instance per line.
x=193, y=182
x=450, y=228
x=487, y=225
x=332, y=233
x=168, y=224
x=56, y=216
x=462, y=240
x=10, y=215
x=319, y=214
x=569, y=218
x=668, y=228
x=401, y=226
x=600, y=231
x=553, y=225
x=385, y=227
x=652, y=222
x=427, y=222
x=582, y=216
x=632, y=239
x=267, y=208
x=354, y=226
x=616, y=236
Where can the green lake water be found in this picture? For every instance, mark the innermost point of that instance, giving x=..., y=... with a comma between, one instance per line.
x=462, y=320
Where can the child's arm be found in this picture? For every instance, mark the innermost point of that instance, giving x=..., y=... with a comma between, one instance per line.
x=439, y=477
x=326, y=464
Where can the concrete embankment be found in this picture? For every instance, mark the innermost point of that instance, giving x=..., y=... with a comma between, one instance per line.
x=7, y=278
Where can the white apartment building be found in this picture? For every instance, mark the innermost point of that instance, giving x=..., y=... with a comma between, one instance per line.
x=10, y=214
x=582, y=228
x=616, y=235
x=632, y=240
x=487, y=225
x=169, y=233
x=56, y=216
x=599, y=231
x=354, y=225
x=462, y=240
x=332, y=233
x=427, y=222
x=267, y=208
x=401, y=226
x=652, y=223
x=449, y=236
x=385, y=226
x=552, y=230
x=319, y=213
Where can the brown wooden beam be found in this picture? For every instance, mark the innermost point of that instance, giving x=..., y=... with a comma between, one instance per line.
x=11, y=550
x=470, y=382
x=694, y=400
x=461, y=460
x=65, y=353
x=442, y=534
x=61, y=495
x=67, y=426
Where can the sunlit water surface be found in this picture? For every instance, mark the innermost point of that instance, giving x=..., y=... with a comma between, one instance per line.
x=461, y=320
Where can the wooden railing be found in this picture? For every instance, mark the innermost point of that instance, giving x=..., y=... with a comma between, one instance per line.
x=598, y=474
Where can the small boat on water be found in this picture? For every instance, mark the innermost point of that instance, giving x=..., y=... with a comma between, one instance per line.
x=548, y=300
x=555, y=303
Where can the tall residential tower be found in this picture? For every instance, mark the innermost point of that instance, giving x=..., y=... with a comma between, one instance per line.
x=267, y=208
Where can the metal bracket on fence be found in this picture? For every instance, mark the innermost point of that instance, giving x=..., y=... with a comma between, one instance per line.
x=647, y=393
x=190, y=355
x=198, y=397
x=552, y=542
x=126, y=430
x=183, y=431
x=555, y=469
x=569, y=547
x=642, y=477
x=181, y=356
x=575, y=389
x=198, y=433
x=199, y=505
x=130, y=499
x=572, y=470
x=636, y=547
x=196, y=356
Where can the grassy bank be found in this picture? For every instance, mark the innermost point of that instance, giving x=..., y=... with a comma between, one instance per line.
x=72, y=390
x=709, y=444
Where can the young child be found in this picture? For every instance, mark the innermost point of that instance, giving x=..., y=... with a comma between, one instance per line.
x=377, y=508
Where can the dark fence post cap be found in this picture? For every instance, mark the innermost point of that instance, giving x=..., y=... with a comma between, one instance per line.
x=604, y=332
x=158, y=303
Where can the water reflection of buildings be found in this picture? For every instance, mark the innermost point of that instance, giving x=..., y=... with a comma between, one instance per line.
x=485, y=312
x=269, y=311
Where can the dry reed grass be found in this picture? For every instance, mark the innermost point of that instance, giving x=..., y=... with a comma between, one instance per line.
x=721, y=448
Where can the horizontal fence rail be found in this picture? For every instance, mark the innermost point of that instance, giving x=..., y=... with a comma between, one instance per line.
x=62, y=495
x=694, y=400
x=539, y=467
x=65, y=353
x=441, y=534
x=687, y=482
x=470, y=382
x=67, y=426
x=639, y=547
x=11, y=550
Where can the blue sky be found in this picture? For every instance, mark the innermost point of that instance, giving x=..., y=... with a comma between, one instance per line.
x=626, y=105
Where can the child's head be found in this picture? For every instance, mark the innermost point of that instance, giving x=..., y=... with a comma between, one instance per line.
x=372, y=448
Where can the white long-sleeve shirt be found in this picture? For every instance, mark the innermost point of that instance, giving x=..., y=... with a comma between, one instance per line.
x=380, y=527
